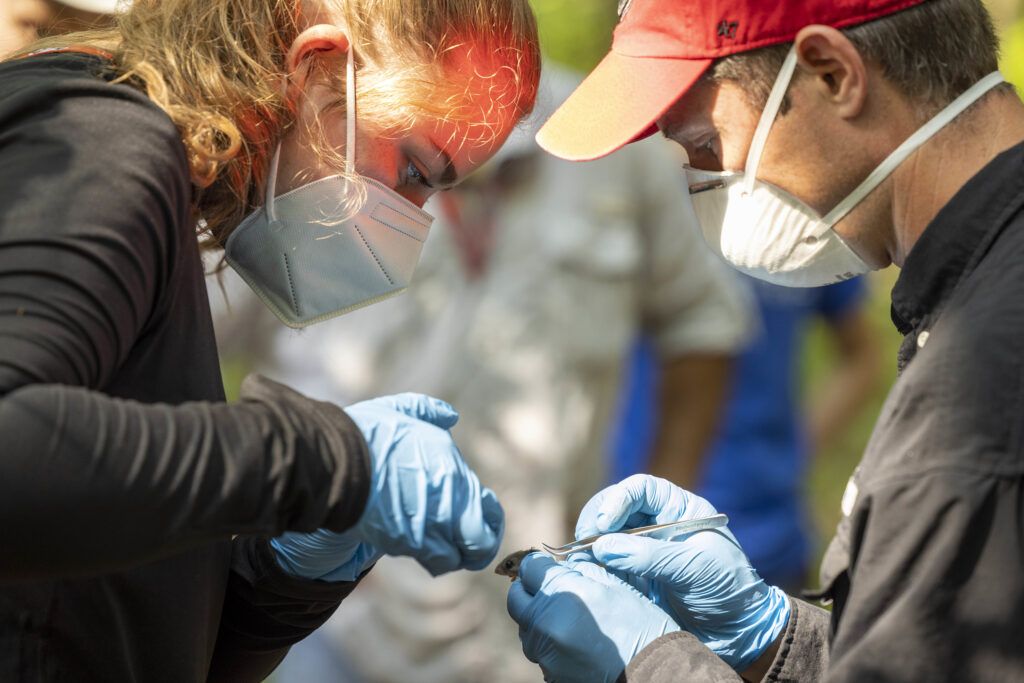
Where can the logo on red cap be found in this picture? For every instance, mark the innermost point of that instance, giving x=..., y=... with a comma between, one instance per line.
x=727, y=29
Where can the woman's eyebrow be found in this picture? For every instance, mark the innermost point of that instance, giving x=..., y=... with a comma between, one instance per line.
x=449, y=176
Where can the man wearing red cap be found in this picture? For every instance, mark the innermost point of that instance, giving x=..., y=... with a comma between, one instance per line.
x=825, y=138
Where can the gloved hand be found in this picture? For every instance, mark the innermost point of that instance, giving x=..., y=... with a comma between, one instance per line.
x=579, y=622
x=424, y=501
x=703, y=579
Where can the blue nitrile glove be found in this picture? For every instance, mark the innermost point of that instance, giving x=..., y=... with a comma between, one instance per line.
x=580, y=623
x=703, y=579
x=324, y=555
x=424, y=501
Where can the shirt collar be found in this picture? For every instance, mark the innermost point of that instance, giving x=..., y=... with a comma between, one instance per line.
x=957, y=238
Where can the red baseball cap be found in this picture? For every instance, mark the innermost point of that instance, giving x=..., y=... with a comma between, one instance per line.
x=662, y=47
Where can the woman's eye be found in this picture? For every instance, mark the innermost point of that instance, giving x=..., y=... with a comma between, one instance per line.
x=414, y=175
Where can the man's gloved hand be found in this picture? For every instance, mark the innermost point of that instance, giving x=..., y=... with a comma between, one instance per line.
x=703, y=579
x=579, y=622
x=424, y=501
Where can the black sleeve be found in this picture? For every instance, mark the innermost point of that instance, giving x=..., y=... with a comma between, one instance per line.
x=93, y=193
x=266, y=611
x=678, y=657
x=936, y=591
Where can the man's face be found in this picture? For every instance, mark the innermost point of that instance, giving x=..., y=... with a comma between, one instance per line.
x=812, y=152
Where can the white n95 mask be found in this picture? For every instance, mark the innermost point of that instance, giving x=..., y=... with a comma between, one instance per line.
x=773, y=236
x=311, y=255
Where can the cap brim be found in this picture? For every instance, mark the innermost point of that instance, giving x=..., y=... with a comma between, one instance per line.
x=619, y=102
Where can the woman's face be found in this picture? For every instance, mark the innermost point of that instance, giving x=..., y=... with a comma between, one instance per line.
x=416, y=162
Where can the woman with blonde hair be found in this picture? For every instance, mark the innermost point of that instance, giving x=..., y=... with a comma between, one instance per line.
x=150, y=531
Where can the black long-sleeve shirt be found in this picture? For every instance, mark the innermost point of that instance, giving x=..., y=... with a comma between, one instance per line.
x=123, y=474
x=926, y=571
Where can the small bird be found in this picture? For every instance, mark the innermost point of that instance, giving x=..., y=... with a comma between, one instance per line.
x=510, y=565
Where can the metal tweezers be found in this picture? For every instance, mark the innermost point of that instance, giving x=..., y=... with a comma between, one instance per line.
x=684, y=526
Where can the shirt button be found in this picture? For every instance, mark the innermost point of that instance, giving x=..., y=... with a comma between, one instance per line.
x=922, y=339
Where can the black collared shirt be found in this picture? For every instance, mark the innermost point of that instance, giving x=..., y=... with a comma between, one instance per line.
x=926, y=571
x=927, y=567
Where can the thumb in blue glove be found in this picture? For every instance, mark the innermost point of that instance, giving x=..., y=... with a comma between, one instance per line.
x=579, y=623
x=706, y=582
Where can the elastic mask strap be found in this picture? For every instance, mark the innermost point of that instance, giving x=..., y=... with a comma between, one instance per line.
x=350, y=112
x=900, y=154
x=764, y=126
x=350, y=138
x=271, y=191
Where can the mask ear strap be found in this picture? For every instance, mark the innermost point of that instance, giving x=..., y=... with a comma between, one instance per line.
x=350, y=137
x=910, y=145
x=271, y=190
x=764, y=126
x=350, y=112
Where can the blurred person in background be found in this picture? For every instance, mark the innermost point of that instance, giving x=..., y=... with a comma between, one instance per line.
x=24, y=21
x=520, y=315
x=757, y=464
x=150, y=530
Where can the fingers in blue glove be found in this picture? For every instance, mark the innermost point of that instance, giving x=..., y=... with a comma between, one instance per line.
x=636, y=555
x=422, y=407
x=637, y=501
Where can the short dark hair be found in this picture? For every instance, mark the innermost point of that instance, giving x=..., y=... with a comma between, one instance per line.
x=932, y=52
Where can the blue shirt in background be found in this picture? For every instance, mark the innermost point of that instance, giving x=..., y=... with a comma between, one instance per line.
x=755, y=469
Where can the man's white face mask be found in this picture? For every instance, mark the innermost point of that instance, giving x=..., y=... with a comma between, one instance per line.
x=773, y=236
x=310, y=256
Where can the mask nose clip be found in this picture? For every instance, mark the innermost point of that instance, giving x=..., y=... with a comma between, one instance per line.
x=705, y=186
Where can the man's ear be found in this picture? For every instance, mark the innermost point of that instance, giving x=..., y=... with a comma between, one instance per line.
x=321, y=38
x=839, y=73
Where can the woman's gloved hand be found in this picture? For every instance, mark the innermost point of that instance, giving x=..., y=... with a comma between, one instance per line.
x=424, y=500
x=703, y=579
x=580, y=623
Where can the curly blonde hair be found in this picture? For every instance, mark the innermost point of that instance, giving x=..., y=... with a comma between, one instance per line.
x=216, y=67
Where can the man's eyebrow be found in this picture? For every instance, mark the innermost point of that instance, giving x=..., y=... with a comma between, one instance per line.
x=672, y=129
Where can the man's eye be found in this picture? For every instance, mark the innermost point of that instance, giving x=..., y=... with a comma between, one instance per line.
x=706, y=155
x=709, y=146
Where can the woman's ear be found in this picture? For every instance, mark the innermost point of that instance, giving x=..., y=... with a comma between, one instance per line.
x=320, y=38
x=839, y=73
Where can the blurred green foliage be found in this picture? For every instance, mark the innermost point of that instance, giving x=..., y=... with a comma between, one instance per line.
x=575, y=32
x=1012, y=58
